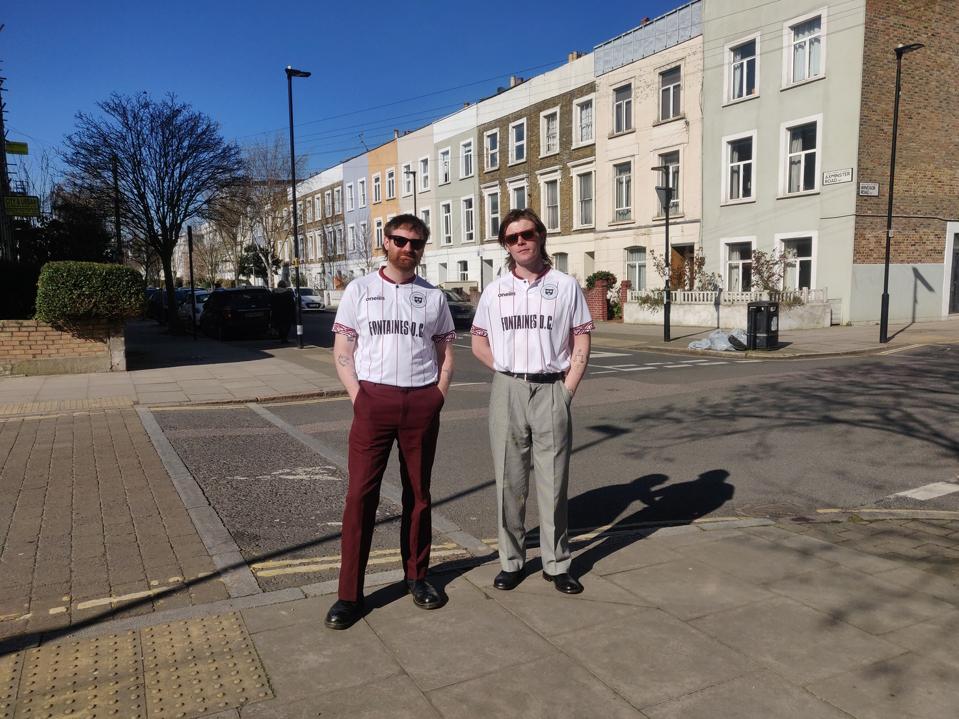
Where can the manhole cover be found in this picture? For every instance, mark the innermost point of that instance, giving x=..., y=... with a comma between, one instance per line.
x=772, y=510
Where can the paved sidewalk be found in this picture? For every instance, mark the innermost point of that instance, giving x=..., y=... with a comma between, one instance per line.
x=826, y=617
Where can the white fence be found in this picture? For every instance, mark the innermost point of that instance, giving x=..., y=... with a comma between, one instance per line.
x=687, y=297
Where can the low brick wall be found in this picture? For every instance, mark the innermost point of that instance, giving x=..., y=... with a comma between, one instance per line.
x=29, y=347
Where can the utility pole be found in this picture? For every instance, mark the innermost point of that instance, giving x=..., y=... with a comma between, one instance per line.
x=6, y=231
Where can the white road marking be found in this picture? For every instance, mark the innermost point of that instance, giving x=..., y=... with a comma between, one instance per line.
x=900, y=349
x=929, y=491
x=678, y=366
x=594, y=355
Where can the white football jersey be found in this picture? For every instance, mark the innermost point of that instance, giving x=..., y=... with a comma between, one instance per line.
x=529, y=324
x=396, y=327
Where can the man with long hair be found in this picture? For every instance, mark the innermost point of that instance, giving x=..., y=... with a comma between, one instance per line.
x=532, y=329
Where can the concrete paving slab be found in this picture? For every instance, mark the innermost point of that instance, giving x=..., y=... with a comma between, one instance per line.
x=274, y=616
x=935, y=639
x=753, y=559
x=795, y=641
x=552, y=614
x=686, y=588
x=597, y=589
x=469, y=637
x=306, y=659
x=828, y=551
x=545, y=689
x=393, y=698
x=905, y=686
x=945, y=588
x=762, y=694
x=650, y=657
x=609, y=555
x=861, y=599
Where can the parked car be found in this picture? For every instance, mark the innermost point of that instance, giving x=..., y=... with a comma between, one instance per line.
x=460, y=307
x=157, y=304
x=240, y=310
x=310, y=299
x=186, y=306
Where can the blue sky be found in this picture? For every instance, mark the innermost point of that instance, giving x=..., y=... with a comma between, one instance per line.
x=227, y=60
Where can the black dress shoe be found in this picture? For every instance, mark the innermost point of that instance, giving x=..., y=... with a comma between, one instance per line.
x=564, y=583
x=508, y=580
x=425, y=595
x=343, y=614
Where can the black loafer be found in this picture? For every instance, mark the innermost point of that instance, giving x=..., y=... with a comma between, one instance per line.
x=508, y=580
x=425, y=595
x=343, y=614
x=564, y=583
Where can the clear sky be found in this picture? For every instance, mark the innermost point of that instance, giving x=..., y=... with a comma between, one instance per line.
x=376, y=65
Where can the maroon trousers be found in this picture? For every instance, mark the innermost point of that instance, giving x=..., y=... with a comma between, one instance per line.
x=383, y=414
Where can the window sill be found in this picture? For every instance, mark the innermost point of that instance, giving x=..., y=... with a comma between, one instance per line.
x=733, y=203
x=549, y=154
x=807, y=81
x=741, y=100
x=467, y=242
x=614, y=135
x=582, y=144
x=680, y=116
x=584, y=227
x=678, y=215
x=491, y=169
x=516, y=162
x=790, y=195
x=617, y=223
x=466, y=177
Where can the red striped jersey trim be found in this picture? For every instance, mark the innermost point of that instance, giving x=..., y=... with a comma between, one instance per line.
x=584, y=329
x=478, y=331
x=344, y=330
x=448, y=337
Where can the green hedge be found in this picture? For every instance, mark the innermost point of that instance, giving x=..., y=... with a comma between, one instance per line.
x=68, y=292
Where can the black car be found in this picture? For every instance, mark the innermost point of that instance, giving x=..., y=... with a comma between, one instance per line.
x=240, y=310
x=157, y=303
x=460, y=307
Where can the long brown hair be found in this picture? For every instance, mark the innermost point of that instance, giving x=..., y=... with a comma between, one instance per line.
x=524, y=214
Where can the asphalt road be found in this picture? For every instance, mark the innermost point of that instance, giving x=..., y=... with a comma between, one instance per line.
x=658, y=438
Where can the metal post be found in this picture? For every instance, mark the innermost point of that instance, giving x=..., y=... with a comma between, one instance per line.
x=290, y=74
x=669, y=265
x=189, y=245
x=116, y=208
x=884, y=306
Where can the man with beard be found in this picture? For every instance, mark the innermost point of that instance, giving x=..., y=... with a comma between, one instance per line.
x=392, y=351
x=532, y=329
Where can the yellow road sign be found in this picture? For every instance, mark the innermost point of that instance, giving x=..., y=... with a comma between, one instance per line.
x=22, y=205
x=16, y=148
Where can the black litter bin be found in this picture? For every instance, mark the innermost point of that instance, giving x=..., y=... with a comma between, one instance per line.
x=762, y=325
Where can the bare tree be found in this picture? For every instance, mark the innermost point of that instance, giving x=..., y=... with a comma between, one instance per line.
x=171, y=162
x=364, y=250
x=208, y=255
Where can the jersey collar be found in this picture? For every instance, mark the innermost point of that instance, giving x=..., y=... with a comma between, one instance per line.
x=541, y=275
x=392, y=282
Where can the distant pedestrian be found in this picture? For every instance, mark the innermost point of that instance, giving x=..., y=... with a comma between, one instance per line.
x=532, y=328
x=392, y=351
x=282, y=310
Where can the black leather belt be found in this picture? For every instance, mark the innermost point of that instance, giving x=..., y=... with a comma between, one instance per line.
x=541, y=378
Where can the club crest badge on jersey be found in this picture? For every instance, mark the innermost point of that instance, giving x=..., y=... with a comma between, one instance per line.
x=550, y=291
x=417, y=299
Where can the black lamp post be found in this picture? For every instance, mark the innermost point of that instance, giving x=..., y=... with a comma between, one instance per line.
x=884, y=310
x=290, y=74
x=665, y=194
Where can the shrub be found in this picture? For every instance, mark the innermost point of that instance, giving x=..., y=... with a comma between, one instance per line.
x=18, y=290
x=601, y=275
x=68, y=292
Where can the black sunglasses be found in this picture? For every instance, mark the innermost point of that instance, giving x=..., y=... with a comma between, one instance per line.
x=401, y=242
x=527, y=235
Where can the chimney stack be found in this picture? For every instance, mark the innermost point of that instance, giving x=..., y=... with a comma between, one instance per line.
x=574, y=55
x=396, y=134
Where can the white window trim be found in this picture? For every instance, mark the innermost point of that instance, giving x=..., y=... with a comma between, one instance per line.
x=780, y=242
x=463, y=239
x=390, y=175
x=784, y=152
x=512, y=147
x=377, y=185
x=499, y=150
x=378, y=225
x=542, y=131
x=724, y=164
x=678, y=212
x=429, y=222
x=439, y=166
x=406, y=175
x=350, y=237
x=646, y=262
x=338, y=200
x=362, y=198
x=514, y=184
x=576, y=170
x=728, y=70
x=787, y=60
x=632, y=190
x=444, y=240
x=350, y=197
x=613, y=132
x=423, y=177
x=725, y=242
x=548, y=175
x=462, y=162
x=487, y=191
x=575, y=124
x=659, y=92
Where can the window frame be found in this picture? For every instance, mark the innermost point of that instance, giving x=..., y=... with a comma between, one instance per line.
x=444, y=177
x=408, y=186
x=377, y=189
x=553, y=112
x=731, y=47
x=561, y=258
x=545, y=178
x=629, y=125
x=784, y=130
x=636, y=285
x=463, y=156
x=577, y=114
x=390, y=183
x=361, y=196
x=628, y=208
x=467, y=236
x=463, y=273
x=423, y=174
x=680, y=113
x=516, y=184
x=446, y=214
x=677, y=199
x=338, y=200
x=378, y=231
x=350, y=197
x=726, y=242
x=486, y=150
x=727, y=141
x=787, y=60
x=781, y=238
x=513, y=144
x=487, y=212
x=575, y=173
x=426, y=215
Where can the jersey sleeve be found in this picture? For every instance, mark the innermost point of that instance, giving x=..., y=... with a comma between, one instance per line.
x=481, y=317
x=443, y=329
x=346, y=321
x=580, y=319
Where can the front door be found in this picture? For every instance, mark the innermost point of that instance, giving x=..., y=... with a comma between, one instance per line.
x=682, y=273
x=954, y=288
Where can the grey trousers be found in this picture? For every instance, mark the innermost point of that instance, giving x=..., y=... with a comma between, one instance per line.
x=530, y=428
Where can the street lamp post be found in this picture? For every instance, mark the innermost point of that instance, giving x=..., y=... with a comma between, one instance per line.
x=407, y=173
x=884, y=309
x=665, y=194
x=290, y=74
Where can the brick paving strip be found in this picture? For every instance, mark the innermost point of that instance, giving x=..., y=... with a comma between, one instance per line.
x=91, y=525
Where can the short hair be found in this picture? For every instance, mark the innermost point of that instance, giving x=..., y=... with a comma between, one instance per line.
x=524, y=214
x=281, y=284
x=407, y=220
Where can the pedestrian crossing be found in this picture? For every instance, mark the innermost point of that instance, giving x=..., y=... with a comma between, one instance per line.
x=603, y=367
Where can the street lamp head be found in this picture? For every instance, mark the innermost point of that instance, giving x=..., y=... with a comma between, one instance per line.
x=903, y=49
x=293, y=72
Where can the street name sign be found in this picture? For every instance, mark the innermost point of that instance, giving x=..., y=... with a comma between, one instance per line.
x=16, y=148
x=837, y=177
x=869, y=189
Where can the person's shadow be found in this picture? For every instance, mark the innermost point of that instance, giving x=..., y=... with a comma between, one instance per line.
x=675, y=504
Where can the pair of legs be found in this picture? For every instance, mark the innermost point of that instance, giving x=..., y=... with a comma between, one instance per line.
x=382, y=415
x=531, y=432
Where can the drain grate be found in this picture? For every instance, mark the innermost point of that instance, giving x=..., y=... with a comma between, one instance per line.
x=199, y=666
x=84, y=678
x=9, y=679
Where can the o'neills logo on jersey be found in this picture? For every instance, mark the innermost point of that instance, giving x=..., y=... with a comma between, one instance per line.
x=507, y=294
x=417, y=299
x=396, y=327
x=378, y=297
x=550, y=291
x=527, y=322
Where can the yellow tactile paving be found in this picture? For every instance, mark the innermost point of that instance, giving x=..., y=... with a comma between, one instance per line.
x=9, y=679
